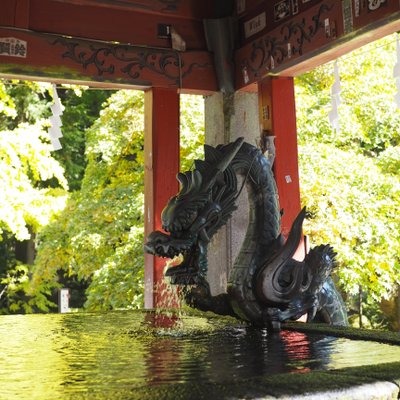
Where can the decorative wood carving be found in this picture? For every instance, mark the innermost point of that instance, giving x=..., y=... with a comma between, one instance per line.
x=58, y=58
x=291, y=40
x=368, y=11
x=133, y=61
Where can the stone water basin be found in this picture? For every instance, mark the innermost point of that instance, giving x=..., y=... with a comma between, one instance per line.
x=139, y=354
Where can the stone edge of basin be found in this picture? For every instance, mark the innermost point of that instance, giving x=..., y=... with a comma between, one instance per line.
x=376, y=382
x=376, y=391
x=346, y=331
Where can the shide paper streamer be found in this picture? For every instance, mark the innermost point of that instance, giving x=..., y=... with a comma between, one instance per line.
x=55, y=120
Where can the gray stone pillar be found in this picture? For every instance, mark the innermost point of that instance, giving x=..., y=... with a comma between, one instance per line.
x=228, y=117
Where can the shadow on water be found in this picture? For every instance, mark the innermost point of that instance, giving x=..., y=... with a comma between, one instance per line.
x=47, y=356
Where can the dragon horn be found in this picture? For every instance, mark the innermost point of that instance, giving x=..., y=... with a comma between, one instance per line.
x=223, y=164
x=227, y=159
x=190, y=181
x=184, y=182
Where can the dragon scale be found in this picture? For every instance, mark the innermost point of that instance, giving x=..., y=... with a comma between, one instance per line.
x=262, y=231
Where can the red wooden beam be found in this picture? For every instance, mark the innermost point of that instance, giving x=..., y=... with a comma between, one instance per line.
x=22, y=12
x=278, y=118
x=60, y=59
x=291, y=41
x=309, y=35
x=192, y=9
x=161, y=166
x=130, y=22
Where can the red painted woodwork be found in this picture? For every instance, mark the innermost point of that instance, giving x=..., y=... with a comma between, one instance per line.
x=133, y=24
x=161, y=166
x=369, y=12
x=244, y=7
x=278, y=118
x=192, y=9
x=271, y=21
x=268, y=51
x=293, y=45
x=294, y=40
x=7, y=14
x=22, y=9
x=59, y=59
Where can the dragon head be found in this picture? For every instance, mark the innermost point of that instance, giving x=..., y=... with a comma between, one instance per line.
x=203, y=204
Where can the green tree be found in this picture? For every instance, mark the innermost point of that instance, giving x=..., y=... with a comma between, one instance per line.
x=191, y=130
x=369, y=118
x=349, y=178
x=34, y=188
x=27, y=203
x=23, y=102
x=82, y=107
x=99, y=236
x=354, y=206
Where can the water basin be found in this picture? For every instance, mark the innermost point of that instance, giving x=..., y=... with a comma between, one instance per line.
x=57, y=356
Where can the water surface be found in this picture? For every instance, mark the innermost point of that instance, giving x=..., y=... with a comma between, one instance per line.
x=52, y=356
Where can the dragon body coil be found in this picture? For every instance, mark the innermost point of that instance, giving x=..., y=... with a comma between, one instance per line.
x=266, y=285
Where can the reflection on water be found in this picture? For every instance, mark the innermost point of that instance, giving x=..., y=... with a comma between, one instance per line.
x=48, y=356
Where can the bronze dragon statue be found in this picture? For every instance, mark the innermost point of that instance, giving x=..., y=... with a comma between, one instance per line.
x=266, y=286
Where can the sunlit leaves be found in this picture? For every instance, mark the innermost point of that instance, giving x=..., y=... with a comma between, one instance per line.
x=370, y=121
x=350, y=180
x=191, y=130
x=25, y=165
x=99, y=236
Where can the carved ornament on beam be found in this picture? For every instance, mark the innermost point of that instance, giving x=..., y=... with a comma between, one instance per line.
x=290, y=40
x=129, y=60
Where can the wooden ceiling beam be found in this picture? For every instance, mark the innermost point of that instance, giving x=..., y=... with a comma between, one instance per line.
x=64, y=59
x=22, y=11
x=289, y=42
x=134, y=22
x=190, y=9
x=276, y=37
x=342, y=47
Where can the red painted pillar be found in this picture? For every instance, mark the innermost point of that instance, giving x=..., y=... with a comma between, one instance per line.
x=161, y=147
x=278, y=118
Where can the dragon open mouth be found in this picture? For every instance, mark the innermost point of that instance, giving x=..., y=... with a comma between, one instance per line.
x=167, y=246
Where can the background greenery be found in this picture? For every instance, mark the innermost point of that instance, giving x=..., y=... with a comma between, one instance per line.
x=83, y=206
x=350, y=179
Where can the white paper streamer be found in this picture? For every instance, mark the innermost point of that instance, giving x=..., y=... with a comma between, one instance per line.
x=396, y=73
x=335, y=93
x=56, y=144
x=55, y=121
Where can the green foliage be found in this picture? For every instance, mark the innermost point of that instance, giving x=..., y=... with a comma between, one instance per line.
x=354, y=206
x=94, y=239
x=370, y=121
x=27, y=203
x=191, y=130
x=99, y=236
x=34, y=184
x=81, y=109
x=24, y=102
x=25, y=164
x=389, y=160
x=7, y=106
x=349, y=179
